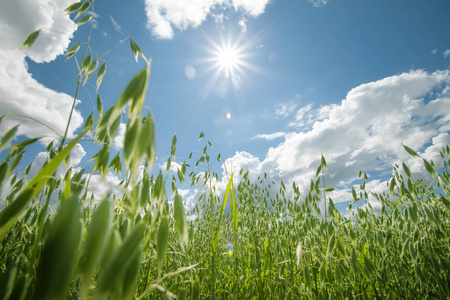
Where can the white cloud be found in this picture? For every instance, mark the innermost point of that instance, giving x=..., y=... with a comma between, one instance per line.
x=318, y=3
x=243, y=25
x=118, y=140
x=162, y=15
x=251, y=7
x=100, y=187
x=364, y=132
x=174, y=167
x=283, y=110
x=306, y=116
x=303, y=116
x=95, y=17
x=21, y=94
x=270, y=137
x=446, y=53
x=116, y=25
x=76, y=155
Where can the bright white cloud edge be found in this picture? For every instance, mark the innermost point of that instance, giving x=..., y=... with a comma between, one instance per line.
x=164, y=15
x=20, y=94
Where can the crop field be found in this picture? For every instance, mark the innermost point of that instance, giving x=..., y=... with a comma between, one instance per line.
x=248, y=244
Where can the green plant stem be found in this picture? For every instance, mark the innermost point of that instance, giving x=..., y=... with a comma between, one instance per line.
x=71, y=112
x=80, y=77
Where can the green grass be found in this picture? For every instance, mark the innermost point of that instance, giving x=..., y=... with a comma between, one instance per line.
x=282, y=248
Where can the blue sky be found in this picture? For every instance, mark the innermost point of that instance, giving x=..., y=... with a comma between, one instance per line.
x=350, y=79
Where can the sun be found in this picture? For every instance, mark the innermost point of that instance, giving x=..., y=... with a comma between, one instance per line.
x=228, y=59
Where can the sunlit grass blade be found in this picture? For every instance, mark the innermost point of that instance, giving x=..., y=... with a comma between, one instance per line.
x=215, y=240
x=234, y=210
x=180, y=220
x=131, y=276
x=72, y=51
x=162, y=239
x=9, y=135
x=84, y=19
x=84, y=6
x=135, y=92
x=99, y=105
x=96, y=240
x=10, y=213
x=101, y=74
x=73, y=7
x=410, y=151
x=120, y=261
x=56, y=261
x=31, y=38
x=430, y=169
x=136, y=50
x=173, y=148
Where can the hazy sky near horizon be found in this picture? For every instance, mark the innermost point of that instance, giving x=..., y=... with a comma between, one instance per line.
x=273, y=84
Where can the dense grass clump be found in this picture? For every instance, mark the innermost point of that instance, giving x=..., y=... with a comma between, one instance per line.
x=248, y=244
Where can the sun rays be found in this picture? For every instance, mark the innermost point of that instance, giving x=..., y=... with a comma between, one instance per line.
x=228, y=59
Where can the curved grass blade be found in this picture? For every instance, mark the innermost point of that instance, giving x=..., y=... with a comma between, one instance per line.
x=180, y=220
x=11, y=213
x=57, y=258
x=120, y=261
x=162, y=240
x=224, y=204
x=96, y=240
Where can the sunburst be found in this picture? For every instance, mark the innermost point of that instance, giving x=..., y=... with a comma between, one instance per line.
x=228, y=59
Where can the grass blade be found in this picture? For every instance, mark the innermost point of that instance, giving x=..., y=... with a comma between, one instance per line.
x=57, y=258
x=10, y=213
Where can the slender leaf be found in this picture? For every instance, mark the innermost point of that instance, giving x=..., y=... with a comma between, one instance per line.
x=31, y=38
x=73, y=7
x=58, y=255
x=162, y=240
x=72, y=51
x=174, y=146
x=100, y=75
x=11, y=212
x=9, y=135
x=136, y=50
x=180, y=220
x=96, y=240
x=410, y=151
x=120, y=261
x=84, y=19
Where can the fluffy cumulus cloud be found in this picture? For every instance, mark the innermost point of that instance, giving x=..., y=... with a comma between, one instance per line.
x=364, y=132
x=20, y=94
x=163, y=15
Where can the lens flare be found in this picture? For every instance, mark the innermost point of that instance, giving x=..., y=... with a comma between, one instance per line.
x=230, y=250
